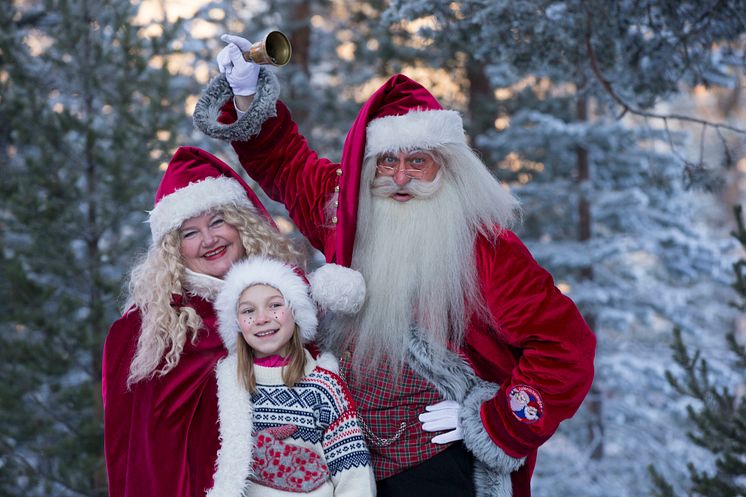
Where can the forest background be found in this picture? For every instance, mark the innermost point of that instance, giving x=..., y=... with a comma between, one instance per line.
x=619, y=124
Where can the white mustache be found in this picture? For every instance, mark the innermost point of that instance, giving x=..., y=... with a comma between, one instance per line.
x=384, y=186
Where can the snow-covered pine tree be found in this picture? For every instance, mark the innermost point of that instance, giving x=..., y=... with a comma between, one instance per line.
x=643, y=265
x=88, y=111
x=718, y=410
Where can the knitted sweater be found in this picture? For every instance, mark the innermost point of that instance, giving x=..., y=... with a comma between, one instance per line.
x=307, y=439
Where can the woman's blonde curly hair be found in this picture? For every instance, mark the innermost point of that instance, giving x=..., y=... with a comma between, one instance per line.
x=159, y=275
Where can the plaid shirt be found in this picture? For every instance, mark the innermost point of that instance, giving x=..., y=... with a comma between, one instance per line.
x=388, y=410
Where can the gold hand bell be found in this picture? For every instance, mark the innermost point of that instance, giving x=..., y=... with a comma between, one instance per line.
x=274, y=50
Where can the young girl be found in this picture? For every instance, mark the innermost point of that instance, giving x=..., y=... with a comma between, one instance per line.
x=287, y=425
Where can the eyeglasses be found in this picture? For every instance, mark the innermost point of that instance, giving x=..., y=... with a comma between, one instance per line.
x=417, y=165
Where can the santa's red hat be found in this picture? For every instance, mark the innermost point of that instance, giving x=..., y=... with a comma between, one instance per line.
x=400, y=115
x=194, y=183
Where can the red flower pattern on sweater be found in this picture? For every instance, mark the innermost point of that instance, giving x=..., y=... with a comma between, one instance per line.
x=286, y=467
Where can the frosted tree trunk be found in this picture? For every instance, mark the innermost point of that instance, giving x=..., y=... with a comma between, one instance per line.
x=594, y=400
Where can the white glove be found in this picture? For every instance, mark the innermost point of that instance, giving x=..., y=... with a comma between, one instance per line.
x=443, y=416
x=241, y=75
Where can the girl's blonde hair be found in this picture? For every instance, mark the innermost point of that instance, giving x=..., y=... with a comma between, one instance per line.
x=159, y=275
x=292, y=372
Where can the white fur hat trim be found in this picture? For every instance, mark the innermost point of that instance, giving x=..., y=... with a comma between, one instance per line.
x=192, y=200
x=261, y=270
x=424, y=129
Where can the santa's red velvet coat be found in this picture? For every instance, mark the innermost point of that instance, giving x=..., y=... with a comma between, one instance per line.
x=543, y=346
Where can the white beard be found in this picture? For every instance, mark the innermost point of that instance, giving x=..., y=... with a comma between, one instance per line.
x=417, y=258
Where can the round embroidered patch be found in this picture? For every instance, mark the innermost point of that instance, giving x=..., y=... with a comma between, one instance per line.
x=526, y=404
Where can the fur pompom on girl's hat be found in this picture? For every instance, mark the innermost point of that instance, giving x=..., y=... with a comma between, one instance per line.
x=331, y=287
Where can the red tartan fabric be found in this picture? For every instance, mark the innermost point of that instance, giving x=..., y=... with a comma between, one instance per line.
x=384, y=406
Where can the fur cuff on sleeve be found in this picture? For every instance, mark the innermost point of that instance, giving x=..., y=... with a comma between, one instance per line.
x=476, y=438
x=218, y=92
x=489, y=483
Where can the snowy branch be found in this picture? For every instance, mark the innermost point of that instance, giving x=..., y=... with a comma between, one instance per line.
x=626, y=107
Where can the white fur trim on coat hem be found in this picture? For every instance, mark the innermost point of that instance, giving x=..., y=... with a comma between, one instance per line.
x=418, y=129
x=233, y=463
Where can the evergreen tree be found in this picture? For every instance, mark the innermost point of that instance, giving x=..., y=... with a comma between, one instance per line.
x=88, y=112
x=718, y=413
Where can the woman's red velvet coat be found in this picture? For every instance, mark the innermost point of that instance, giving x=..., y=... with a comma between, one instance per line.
x=161, y=436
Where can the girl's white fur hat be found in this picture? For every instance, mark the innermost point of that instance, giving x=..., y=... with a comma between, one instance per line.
x=332, y=287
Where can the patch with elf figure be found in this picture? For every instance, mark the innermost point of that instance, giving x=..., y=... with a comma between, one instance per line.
x=526, y=404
